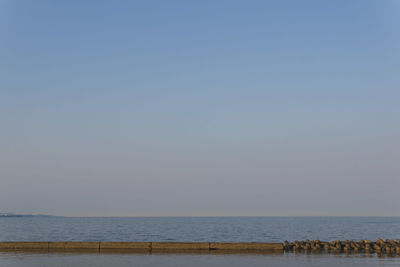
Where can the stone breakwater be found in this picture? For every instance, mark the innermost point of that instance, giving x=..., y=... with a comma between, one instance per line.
x=379, y=246
x=388, y=246
x=142, y=247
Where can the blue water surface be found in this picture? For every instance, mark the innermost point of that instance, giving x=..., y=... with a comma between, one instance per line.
x=197, y=229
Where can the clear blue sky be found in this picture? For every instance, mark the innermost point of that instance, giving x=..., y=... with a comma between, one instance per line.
x=200, y=107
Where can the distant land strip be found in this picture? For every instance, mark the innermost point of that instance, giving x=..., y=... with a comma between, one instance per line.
x=379, y=246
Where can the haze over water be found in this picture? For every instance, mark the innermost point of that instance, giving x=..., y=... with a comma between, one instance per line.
x=207, y=108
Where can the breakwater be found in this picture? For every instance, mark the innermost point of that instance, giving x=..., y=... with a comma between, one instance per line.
x=141, y=246
x=379, y=246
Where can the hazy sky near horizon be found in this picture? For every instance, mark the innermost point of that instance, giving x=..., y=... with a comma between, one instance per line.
x=200, y=107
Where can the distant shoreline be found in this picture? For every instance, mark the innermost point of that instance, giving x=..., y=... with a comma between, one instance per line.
x=11, y=215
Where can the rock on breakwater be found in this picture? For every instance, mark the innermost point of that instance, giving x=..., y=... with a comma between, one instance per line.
x=379, y=246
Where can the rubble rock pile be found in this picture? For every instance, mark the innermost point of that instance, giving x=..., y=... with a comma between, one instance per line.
x=379, y=246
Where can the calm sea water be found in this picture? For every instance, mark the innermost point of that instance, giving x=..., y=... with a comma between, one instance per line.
x=223, y=229
x=208, y=229
x=194, y=260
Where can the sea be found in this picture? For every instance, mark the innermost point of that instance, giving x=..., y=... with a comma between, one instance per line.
x=196, y=229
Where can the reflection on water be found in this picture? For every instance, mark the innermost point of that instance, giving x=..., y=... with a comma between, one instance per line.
x=207, y=259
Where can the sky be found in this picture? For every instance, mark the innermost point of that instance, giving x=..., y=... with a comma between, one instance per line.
x=200, y=108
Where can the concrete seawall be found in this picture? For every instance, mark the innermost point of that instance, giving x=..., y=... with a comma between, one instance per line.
x=379, y=246
x=141, y=246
